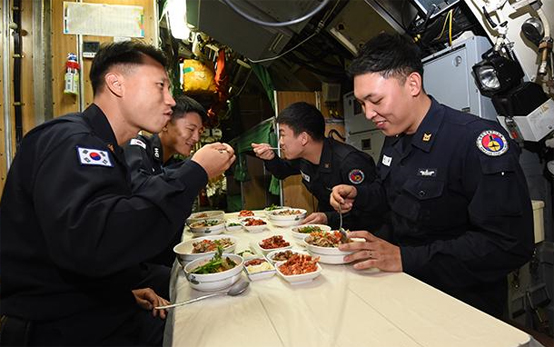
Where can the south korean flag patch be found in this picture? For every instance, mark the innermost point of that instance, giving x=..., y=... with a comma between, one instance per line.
x=90, y=156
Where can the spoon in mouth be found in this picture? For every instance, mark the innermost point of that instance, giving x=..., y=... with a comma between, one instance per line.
x=236, y=289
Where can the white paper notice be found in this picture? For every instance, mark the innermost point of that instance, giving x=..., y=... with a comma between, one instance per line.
x=103, y=20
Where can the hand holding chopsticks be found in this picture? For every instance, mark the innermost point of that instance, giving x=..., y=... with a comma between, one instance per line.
x=264, y=151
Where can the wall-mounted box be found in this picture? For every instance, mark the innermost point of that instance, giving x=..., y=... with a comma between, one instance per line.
x=448, y=77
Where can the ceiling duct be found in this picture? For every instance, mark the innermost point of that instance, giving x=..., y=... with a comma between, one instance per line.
x=247, y=38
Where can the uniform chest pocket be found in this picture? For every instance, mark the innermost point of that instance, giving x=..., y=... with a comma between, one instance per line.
x=415, y=198
x=424, y=189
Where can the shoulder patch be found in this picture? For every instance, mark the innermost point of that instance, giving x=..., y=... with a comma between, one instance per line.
x=492, y=143
x=137, y=142
x=356, y=176
x=90, y=156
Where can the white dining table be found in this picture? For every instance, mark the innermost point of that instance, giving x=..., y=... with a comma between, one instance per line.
x=341, y=307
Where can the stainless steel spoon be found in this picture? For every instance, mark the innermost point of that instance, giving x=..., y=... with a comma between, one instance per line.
x=236, y=289
x=344, y=238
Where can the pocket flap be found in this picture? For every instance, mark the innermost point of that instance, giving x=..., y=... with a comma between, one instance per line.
x=424, y=189
x=496, y=165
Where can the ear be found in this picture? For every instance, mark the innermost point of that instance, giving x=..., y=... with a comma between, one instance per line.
x=414, y=83
x=114, y=83
x=304, y=138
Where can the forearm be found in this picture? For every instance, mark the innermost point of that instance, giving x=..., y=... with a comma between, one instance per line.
x=280, y=168
x=107, y=230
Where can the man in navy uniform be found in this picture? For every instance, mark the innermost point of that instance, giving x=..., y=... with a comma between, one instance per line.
x=460, y=211
x=74, y=235
x=322, y=162
x=148, y=155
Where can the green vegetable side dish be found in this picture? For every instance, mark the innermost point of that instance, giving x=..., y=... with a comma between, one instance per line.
x=211, y=222
x=233, y=224
x=216, y=264
x=308, y=230
x=272, y=207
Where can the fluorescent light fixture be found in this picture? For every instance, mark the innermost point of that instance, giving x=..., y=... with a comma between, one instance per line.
x=176, y=12
x=344, y=41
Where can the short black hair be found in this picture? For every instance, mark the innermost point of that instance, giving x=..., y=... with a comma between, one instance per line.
x=184, y=105
x=123, y=52
x=389, y=55
x=301, y=117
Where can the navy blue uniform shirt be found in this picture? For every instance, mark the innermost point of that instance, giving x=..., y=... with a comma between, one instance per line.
x=459, y=205
x=73, y=232
x=340, y=163
x=144, y=156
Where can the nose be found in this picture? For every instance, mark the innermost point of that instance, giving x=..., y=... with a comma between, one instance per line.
x=169, y=99
x=370, y=114
x=196, y=135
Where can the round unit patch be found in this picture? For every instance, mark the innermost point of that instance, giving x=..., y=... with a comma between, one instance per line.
x=492, y=143
x=356, y=176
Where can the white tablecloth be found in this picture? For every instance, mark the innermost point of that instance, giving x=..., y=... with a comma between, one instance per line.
x=342, y=307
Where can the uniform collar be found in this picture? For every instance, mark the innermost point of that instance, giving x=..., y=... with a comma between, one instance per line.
x=101, y=127
x=427, y=131
x=326, y=159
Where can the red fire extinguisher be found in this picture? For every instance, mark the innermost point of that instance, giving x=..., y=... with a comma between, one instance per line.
x=71, y=75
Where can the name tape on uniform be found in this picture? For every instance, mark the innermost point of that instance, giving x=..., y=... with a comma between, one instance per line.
x=305, y=177
x=91, y=156
x=137, y=142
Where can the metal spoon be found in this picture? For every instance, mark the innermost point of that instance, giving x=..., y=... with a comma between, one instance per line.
x=236, y=289
x=344, y=238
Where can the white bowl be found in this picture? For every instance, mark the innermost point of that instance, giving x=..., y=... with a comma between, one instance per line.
x=216, y=281
x=200, y=216
x=286, y=220
x=268, y=209
x=281, y=214
x=258, y=272
x=299, y=279
x=323, y=250
x=271, y=255
x=199, y=228
x=254, y=228
x=247, y=254
x=231, y=228
x=301, y=236
x=184, y=249
x=330, y=259
x=327, y=255
x=268, y=250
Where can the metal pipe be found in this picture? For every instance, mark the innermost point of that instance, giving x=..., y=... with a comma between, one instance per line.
x=6, y=31
x=276, y=108
x=79, y=51
x=42, y=62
